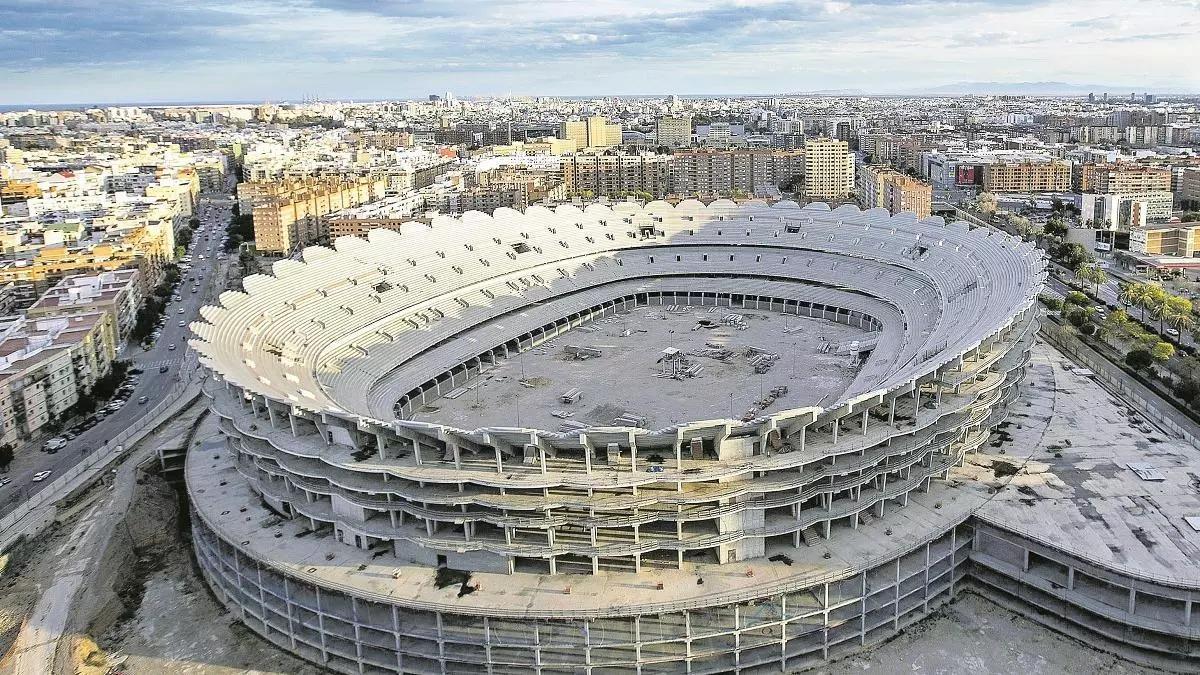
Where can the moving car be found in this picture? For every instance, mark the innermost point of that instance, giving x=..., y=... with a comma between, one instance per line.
x=41, y=476
x=171, y=347
x=143, y=399
x=163, y=368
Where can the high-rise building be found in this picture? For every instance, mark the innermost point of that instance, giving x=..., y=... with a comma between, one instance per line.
x=594, y=132
x=674, y=131
x=828, y=169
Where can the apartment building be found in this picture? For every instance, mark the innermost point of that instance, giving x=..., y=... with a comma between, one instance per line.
x=1052, y=175
x=293, y=212
x=883, y=187
x=828, y=169
x=674, y=131
x=1123, y=178
x=118, y=293
x=34, y=275
x=715, y=173
x=45, y=364
x=616, y=174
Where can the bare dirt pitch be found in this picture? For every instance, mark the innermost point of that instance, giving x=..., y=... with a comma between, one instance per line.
x=625, y=377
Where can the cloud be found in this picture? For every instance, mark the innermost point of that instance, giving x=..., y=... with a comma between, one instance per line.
x=148, y=49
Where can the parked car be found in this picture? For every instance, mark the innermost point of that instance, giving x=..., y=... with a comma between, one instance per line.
x=54, y=444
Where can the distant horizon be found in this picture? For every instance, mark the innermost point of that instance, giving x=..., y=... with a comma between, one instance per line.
x=1115, y=95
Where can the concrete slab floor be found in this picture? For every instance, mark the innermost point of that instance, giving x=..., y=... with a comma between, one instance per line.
x=625, y=377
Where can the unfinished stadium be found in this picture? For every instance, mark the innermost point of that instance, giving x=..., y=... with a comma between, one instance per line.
x=654, y=439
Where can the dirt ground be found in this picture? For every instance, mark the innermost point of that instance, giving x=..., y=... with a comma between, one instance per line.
x=180, y=628
x=974, y=635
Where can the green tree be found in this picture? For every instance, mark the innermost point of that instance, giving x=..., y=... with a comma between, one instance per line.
x=1055, y=227
x=1139, y=359
x=1076, y=298
x=1072, y=255
x=1162, y=351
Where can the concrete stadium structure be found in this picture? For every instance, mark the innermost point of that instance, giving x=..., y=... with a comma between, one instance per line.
x=748, y=543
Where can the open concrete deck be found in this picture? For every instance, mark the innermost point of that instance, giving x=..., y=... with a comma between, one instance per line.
x=1078, y=494
x=625, y=378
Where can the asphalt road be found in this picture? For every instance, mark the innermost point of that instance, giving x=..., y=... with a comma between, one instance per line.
x=214, y=212
x=1110, y=293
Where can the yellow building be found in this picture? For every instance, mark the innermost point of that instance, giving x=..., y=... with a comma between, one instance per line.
x=1182, y=240
x=292, y=213
x=1050, y=176
x=1124, y=178
x=33, y=276
x=594, y=132
x=828, y=169
x=884, y=187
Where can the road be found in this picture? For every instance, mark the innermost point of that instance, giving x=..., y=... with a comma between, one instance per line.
x=1110, y=294
x=214, y=212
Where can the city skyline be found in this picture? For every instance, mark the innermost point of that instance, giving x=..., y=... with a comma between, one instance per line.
x=139, y=51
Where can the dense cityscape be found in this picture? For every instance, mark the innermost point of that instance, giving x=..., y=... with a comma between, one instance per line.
x=825, y=380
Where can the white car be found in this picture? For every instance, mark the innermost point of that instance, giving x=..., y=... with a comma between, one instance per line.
x=41, y=476
x=182, y=324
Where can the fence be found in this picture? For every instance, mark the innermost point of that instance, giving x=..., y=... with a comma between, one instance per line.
x=90, y=467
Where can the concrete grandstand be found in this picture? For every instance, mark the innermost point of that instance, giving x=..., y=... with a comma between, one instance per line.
x=656, y=439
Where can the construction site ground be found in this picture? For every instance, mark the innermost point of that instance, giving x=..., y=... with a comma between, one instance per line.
x=625, y=378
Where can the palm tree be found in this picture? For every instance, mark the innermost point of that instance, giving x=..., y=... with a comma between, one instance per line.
x=1135, y=295
x=1179, y=314
x=1158, y=302
x=1099, y=278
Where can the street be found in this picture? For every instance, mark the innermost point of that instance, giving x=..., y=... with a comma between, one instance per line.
x=214, y=211
x=1110, y=295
